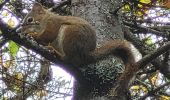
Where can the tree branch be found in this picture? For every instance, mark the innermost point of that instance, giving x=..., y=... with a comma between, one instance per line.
x=145, y=29
x=58, y=6
x=2, y=42
x=154, y=91
x=151, y=56
x=143, y=48
x=3, y=3
x=148, y=21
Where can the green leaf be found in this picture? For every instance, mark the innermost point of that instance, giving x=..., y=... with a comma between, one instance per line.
x=145, y=1
x=13, y=48
x=149, y=41
x=126, y=7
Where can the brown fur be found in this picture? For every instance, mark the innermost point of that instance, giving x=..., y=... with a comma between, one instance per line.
x=74, y=40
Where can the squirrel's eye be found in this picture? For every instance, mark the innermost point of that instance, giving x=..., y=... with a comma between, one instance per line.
x=30, y=19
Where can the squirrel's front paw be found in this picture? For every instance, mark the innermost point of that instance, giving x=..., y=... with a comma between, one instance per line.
x=50, y=48
x=33, y=34
x=53, y=50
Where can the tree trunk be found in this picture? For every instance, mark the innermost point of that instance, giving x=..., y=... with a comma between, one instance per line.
x=100, y=77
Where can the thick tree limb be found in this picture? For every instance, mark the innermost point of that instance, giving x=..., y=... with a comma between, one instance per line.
x=148, y=58
x=142, y=47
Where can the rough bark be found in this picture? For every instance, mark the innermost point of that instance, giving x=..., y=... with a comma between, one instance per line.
x=100, y=77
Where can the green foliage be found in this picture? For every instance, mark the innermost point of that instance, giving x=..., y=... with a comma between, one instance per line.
x=145, y=1
x=13, y=48
x=149, y=41
x=140, y=8
x=1, y=1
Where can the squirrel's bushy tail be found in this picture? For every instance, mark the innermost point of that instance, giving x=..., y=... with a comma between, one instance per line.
x=119, y=48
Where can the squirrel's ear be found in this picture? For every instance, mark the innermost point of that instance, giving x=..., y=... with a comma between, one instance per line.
x=37, y=7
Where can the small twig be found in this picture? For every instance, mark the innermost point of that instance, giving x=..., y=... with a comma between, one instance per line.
x=57, y=6
x=154, y=91
x=118, y=8
x=3, y=3
x=2, y=42
x=150, y=21
x=145, y=29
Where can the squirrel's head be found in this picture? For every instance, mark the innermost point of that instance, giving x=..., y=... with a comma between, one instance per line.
x=35, y=15
x=33, y=22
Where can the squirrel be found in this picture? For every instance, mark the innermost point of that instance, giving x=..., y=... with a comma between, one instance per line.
x=74, y=40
